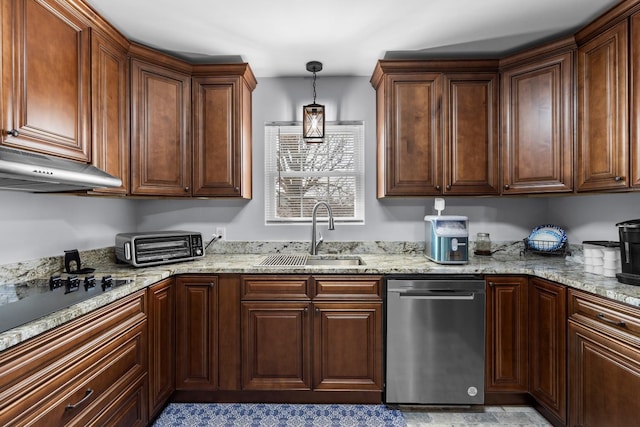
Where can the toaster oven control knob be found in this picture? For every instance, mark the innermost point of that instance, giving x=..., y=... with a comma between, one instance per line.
x=198, y=251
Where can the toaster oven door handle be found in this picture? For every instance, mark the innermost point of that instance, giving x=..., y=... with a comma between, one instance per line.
x=127, y=251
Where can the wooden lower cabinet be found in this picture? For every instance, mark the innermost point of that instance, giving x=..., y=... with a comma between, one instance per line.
x=547, y=348
x=276, y=344
x=162, y=344
x=197, y=333
x=604, y=362
x=347, y=346
x=507, y=328
x=312, y=333
x=90, y=371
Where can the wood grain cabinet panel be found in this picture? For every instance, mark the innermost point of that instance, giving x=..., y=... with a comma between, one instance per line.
x=537, y=109
x=46, y=78
x=347, y=346
x=471, y=145
x=222, y=130
x=197, y=333
x=276, y=346
x=604, y=361
x=109, y=109
x=507, y=328
x=162, y=344
x=91, y=363
x=603, y=97
x=160, y=123
x=635, y=100
x=410, y=149
x=547, y=347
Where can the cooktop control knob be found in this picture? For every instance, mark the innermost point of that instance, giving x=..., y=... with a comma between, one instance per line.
x=89, y=282
x=71, y=284
x=107, y=282
x=55, y=282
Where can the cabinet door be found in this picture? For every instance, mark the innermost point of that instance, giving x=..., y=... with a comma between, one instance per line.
x=602, y=111
x=197, y=333
x=276, y=342
x=347, y=346
x=471, y=150
x=635, y=100
x=160, y=117
x=604, y=379
x=217, y=138
x=45, y=78
x=507, y=328
x=537, y=108
x=547, y=346
x=409, y=158
x=109, y=112
x=162, y=345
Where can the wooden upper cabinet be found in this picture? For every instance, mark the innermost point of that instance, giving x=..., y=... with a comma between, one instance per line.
x=471, y=146
x=109, y=109
x=410, y=149
x=45, y=78
x=221, y=102
x=537, y=121
x=160, y=123
x=603, y=111
x=635, y=101
x=437, y=127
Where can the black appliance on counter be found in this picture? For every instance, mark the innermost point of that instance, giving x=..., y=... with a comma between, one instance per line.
x=629, y=252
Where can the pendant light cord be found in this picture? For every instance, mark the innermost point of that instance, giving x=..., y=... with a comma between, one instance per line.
x=314, y=87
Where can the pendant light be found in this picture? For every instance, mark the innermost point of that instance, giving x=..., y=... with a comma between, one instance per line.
x=313, y=114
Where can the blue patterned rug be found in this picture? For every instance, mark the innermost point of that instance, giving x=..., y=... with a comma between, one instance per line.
x=278, y=415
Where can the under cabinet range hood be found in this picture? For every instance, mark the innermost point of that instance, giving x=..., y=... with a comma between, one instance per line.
x=38, y=173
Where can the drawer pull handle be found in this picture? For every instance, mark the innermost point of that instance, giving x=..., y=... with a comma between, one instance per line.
x=613, y=322
x=87, y=395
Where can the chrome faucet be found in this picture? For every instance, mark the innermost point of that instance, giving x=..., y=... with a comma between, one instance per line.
x=314, y=244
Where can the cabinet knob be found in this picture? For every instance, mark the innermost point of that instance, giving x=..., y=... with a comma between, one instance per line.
x=492, y=284
x=438, y=188
x=507, y=186
x=186, y=189
x=236, y=189
x=619, y=178
x=317, y=310
x=13, y=132
x=306, y=310
x=448, y=187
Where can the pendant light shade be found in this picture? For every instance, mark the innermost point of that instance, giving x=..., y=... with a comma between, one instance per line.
x=313, y=114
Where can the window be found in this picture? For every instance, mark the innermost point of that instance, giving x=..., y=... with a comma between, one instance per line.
x=299, y=174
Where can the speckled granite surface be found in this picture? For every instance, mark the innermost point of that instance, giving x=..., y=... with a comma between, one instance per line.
x=244, y=257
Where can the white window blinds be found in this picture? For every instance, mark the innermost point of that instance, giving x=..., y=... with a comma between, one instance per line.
x=299, y=174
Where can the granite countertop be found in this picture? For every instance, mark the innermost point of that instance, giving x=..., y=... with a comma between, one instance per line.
x=405, y=260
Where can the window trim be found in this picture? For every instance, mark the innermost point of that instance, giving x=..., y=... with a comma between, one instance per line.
x=269, y=184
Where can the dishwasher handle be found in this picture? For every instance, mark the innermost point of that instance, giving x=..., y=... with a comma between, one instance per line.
x=442, y=295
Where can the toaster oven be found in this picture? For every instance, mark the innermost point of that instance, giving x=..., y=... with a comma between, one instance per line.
x=158, y=247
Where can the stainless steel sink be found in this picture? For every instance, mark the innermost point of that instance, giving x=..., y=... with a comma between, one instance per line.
x=283, y=260
x=337, y=260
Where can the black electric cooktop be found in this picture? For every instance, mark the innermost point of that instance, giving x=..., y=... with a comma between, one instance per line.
x=26, y=301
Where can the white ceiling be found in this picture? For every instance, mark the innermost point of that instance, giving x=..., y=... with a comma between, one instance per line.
x=278, y=37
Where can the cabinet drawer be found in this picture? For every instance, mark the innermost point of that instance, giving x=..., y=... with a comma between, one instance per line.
x=86, y=387
x=347, y=287
x=275, y=287
x=32, y=363
x=611, y=317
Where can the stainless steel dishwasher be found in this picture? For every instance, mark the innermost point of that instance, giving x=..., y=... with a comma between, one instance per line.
x=435, y=340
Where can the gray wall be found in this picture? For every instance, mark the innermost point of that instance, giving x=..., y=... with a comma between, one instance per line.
x=37, y=225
